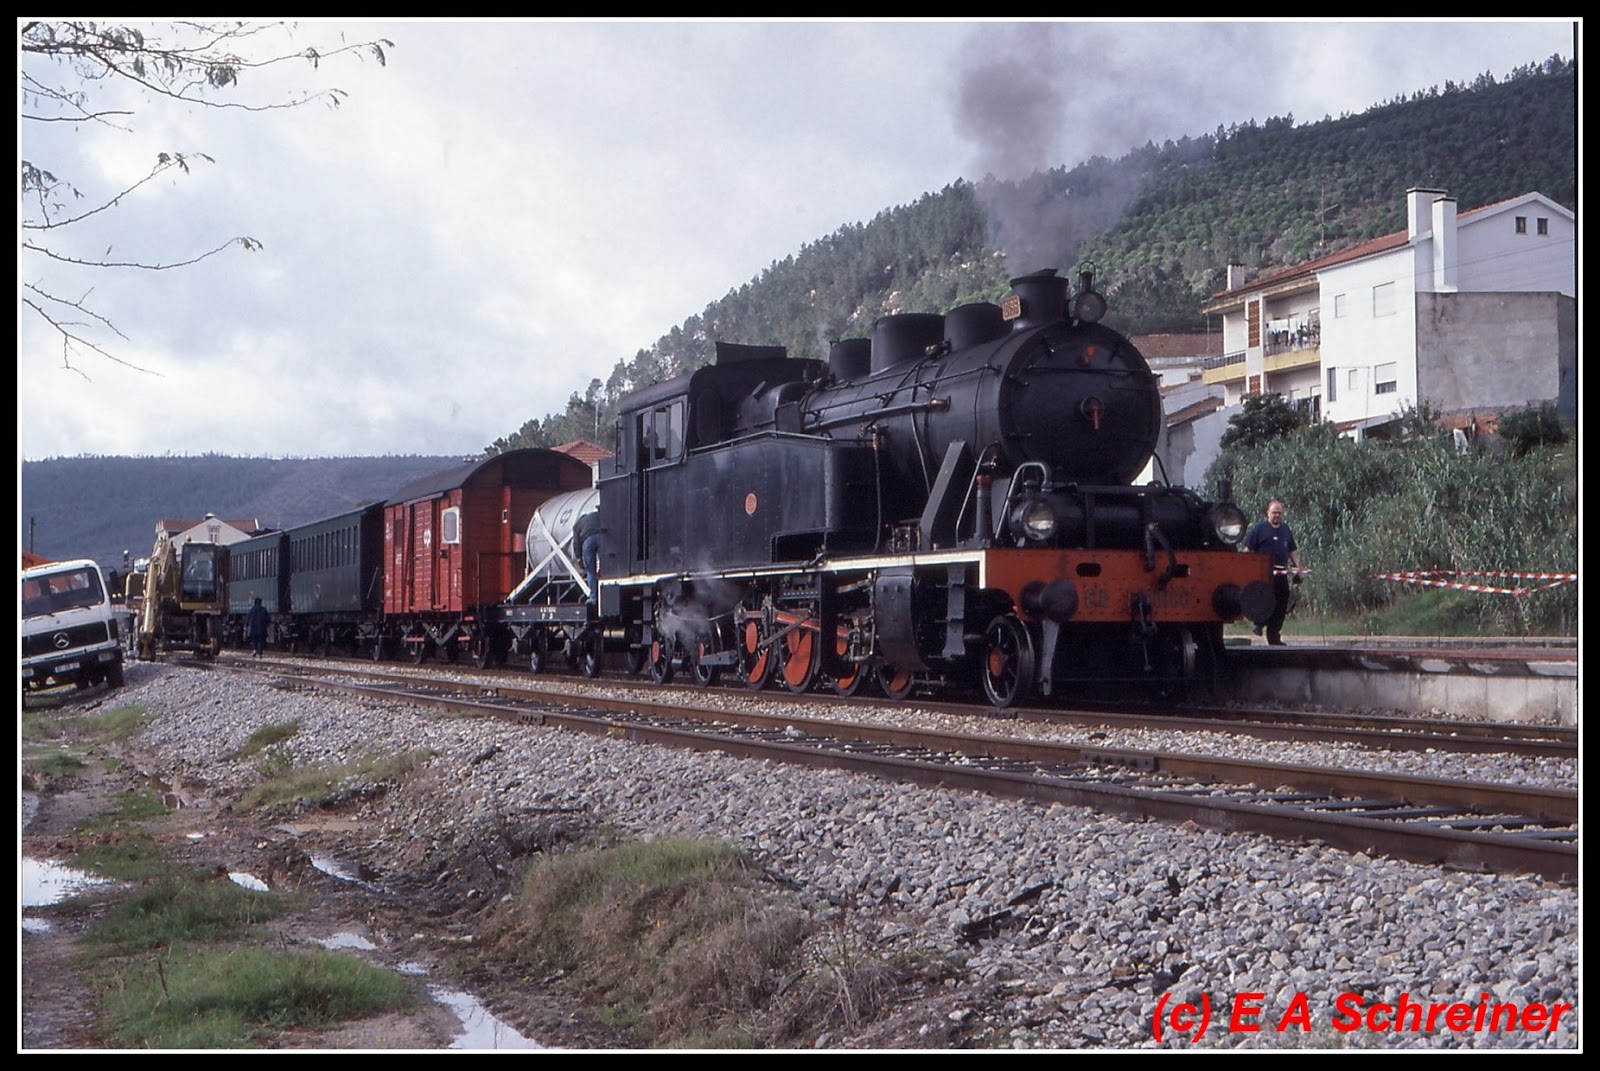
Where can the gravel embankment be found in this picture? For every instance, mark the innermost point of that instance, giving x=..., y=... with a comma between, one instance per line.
x=1070, y=928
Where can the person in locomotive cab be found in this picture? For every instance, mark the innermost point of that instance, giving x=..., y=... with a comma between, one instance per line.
x=255, y=627
x=586, y=534
x=1274, y=538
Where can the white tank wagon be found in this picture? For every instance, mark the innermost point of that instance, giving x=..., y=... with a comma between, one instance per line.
x=551, y=610
x=554, y=556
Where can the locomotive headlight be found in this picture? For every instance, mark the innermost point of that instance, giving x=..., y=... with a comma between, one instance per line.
x=1228, y=521
x=1035, y=521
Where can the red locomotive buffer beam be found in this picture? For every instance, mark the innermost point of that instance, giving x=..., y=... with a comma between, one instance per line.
x=1101, y=586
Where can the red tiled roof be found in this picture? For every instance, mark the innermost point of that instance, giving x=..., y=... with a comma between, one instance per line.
x=584, y=450
x=1381, y=244
x=1198, y=344
x=30, y=559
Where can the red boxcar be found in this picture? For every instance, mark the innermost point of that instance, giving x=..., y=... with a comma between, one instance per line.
x=453, y=545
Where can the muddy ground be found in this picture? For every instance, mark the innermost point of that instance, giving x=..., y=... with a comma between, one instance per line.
x=400, y=920
x=408, y=926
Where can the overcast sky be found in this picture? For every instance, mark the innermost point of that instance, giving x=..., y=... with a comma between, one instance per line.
x=506, y=210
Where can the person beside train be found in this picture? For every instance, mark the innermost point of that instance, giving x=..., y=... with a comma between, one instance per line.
x=586, y=534
x=255, y=627
x=1274, y=538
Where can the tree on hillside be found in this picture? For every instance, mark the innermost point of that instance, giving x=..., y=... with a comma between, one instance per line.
x=81, y=74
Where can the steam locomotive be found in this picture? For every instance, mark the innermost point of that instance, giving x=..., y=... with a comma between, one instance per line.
x=948, y=500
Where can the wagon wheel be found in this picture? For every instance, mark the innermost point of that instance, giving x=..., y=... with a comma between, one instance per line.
x=756, y=660
x=660, y=661
x=482, y=651
x=417, y=649
x=894, y=682
x=588, y=653
x=1008, y=662
x=705, y=676
x=538, y=651
x=377, y=649
x=450, y=651
x=802, y=658
x=855, y=675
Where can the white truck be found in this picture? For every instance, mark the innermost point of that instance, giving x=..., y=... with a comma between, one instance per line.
x=71, y=632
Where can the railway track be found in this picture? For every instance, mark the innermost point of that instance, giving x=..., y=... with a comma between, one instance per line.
x=1443, y=821
x=1390, y=733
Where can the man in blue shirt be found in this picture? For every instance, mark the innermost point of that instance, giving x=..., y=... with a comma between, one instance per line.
x=1274, y=538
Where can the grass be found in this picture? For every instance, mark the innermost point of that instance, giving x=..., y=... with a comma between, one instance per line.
x=322, y=786
x=265, y=737
x=681, y=942
x=228, y=997
x=118, y=724
x=179, y=908
x=56, y=764
x=45, y=755
x=182, y=959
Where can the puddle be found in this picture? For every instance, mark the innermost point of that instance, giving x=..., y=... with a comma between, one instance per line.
x=480, y=1030
x=247, y=881
x=46, y=882
x=341, y=941
x=334, y=868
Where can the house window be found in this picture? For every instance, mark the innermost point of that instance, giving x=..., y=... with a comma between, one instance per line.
x=1333, y=384
x=1384, y=379
x=1341, y=306
x=1383, y=299
x=1522, y=224
x=1354, y=382
x=1543, y=225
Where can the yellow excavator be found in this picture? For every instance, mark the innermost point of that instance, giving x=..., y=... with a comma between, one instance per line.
x=185, y=598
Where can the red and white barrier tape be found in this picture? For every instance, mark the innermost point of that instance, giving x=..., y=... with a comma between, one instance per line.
x=1439, y=578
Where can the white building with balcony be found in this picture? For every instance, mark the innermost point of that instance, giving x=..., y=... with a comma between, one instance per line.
x=1462, y=311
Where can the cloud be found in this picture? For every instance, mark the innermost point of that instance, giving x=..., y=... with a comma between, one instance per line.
x=506, y=210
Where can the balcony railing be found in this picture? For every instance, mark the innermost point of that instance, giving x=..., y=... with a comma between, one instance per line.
x=1304, y=338
x=1222, y=362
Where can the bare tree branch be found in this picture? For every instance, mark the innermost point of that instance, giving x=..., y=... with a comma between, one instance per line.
x=189, y=62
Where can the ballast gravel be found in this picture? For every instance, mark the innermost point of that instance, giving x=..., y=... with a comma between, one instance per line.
x=1061, y=927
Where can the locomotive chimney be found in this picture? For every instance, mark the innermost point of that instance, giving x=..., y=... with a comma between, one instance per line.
x=1035, y=299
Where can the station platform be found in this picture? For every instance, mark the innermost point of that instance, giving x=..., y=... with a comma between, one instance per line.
x=1498, y=679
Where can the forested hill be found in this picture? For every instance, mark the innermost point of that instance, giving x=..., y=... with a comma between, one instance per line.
x=1159, y=225
x=98, y=507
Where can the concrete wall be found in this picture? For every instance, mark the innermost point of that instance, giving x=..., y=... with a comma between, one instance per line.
x=1494, y=350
